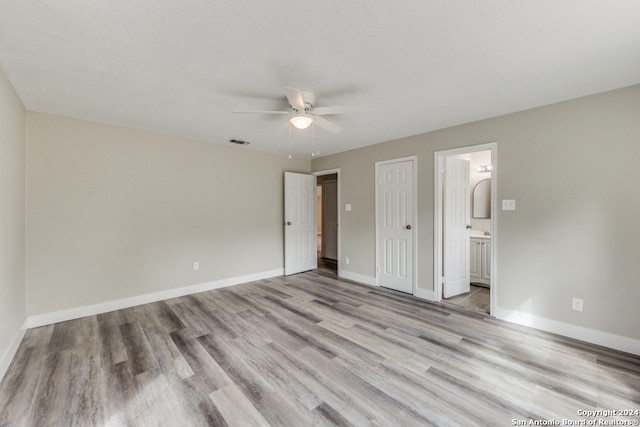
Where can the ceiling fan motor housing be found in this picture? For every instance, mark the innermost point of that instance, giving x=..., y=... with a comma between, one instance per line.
x=309, y=101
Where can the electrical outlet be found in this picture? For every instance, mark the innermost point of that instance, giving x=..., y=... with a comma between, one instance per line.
x=196, y=265
x=577, y=304
x=346, y=261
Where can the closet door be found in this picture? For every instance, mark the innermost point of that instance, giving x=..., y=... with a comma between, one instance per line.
x=395, y=225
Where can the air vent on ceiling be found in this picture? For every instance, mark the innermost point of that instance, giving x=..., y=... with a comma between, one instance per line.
x=239, y=142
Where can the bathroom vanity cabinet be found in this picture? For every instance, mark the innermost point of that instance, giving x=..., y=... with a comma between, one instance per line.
x=480, y=260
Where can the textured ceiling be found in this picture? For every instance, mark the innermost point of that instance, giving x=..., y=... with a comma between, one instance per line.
x=182, y=67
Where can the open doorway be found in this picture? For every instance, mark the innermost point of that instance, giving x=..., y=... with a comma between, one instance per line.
x=465, y=247
x=327, y=217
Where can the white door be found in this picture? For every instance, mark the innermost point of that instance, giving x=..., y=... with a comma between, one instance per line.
x=330, y=219
x=456, y=227
x=395, y=225
x=300, y=227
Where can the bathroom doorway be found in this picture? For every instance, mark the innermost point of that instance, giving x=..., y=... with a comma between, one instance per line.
x=464, y=212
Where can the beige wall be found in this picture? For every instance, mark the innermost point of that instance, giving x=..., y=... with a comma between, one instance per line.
x=12, y=227
x=573, y=170
x=114, y=213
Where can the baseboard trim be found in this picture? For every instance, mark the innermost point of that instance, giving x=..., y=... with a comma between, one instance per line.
x=360, y=278
x=593, y=336
x=91, y=310
x=5, y=362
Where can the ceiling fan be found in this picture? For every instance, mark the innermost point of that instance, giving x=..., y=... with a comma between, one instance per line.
x=303, y=111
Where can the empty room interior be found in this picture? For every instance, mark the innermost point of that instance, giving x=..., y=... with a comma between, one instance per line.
x=319, y=213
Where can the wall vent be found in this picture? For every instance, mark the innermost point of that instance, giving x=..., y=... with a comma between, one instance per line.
x=239, y=142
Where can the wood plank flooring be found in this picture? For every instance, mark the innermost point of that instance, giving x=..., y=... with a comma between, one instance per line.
x=304, y=350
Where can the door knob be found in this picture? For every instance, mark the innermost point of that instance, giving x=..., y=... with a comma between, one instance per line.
x=408, y=227
x=468, y=227
x=288, y=222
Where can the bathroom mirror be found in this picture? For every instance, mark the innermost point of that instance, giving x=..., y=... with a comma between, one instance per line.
x=482, y=199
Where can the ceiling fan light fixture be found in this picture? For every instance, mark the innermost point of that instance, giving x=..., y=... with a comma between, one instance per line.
x=301, y=121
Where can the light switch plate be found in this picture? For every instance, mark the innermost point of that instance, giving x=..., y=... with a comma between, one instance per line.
x=508, y=205
x=577, y=304
x=347, y=207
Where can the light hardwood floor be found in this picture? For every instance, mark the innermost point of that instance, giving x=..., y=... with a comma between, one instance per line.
x=307, y=350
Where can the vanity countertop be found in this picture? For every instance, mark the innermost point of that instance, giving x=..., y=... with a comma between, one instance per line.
x=479, y=234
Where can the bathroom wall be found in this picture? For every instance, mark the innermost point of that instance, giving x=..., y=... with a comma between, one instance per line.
x=475, y=159
x=479, y=158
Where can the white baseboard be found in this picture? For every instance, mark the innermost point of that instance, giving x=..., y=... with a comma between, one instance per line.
x=91, y=310
x=593, y=336
x=360, y=278
x=11, y=352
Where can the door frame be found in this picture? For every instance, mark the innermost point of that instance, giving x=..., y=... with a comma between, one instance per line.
x=438, y=244
x=337, y=172
x=414, y=230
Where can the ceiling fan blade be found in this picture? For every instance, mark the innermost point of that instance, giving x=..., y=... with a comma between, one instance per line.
x=295, y=97
x=282, y=126
x=261, y=111
x=336, y=109
x=326, y=124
